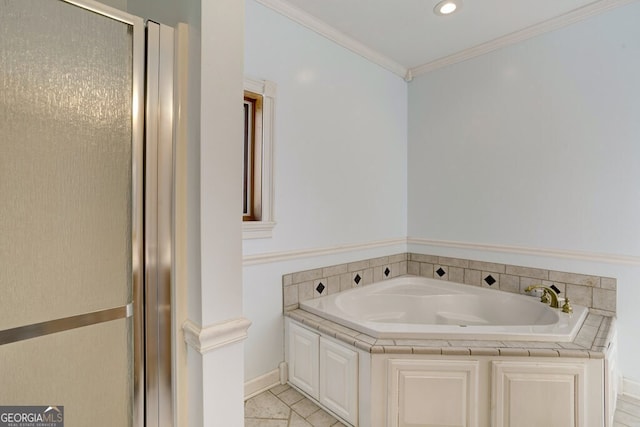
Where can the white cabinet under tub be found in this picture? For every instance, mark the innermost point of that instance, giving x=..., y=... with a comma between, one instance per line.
x=483, y=392
x=325, y=370
x=396, y=387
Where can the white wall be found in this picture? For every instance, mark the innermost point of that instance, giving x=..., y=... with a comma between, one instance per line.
x=339, y=161
x=537, y=145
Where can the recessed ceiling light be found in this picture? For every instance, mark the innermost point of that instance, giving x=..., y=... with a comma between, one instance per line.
x=447, y=7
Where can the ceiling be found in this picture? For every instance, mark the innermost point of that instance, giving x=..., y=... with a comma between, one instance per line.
x=406, y=36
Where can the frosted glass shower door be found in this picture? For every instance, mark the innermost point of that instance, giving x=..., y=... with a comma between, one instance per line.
x=70, y=211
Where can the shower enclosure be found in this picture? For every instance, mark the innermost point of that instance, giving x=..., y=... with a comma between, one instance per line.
x=85, y=213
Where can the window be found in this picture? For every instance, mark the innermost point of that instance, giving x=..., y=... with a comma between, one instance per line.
x=257, y=188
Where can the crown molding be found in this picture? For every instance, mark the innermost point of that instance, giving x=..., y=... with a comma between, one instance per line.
x=338, y=37
x=541, y=252
x=204, y=340
x=549, y=25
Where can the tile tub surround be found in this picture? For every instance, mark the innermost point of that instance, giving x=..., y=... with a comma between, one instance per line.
x=597, y=293
x=592, y=341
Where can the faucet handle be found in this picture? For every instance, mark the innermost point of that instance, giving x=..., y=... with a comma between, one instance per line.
x=566, y=307
x=545, y=298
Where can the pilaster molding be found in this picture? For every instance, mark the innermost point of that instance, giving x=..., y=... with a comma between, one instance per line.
x=215, y=336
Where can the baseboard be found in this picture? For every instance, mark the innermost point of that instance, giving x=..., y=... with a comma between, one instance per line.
x=262, y=383
x=630, y=388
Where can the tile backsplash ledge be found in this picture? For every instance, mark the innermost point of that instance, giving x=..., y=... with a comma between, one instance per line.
x=597, y=293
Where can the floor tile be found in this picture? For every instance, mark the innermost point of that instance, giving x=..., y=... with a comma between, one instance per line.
x=290, y=396
x=298, y=421
x=267, y=410
x=266, y=405
x=305, y=407
x=279, y=388
x=321, y=419
x=256, y=422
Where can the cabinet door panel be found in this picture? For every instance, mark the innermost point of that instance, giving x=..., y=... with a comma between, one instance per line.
x=303, y=359
x=433, y=393
x=529, y=394
x=339, y=379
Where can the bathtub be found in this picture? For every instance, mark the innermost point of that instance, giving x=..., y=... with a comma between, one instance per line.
x=411, y=307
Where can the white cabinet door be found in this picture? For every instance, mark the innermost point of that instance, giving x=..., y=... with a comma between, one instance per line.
x=432, y=393
x=339, y=379
x=531, y=394
x=303, y=359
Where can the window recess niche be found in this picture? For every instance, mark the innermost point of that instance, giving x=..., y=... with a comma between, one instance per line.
x=259, y=102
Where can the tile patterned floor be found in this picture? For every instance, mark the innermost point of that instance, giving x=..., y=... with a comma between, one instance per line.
x=627, y=412
x=283, y=406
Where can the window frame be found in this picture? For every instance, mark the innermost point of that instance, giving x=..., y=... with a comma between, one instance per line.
x=260, y=223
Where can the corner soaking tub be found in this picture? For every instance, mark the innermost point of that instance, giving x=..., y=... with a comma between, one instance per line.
x=421, y=308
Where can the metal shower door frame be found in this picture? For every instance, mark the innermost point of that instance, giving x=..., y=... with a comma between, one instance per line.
x=137, y=195
x=152, y=215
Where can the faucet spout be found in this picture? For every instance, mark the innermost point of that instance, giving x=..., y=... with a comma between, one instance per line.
x=548, y=294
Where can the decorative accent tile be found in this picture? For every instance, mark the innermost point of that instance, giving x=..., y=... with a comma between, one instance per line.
x=598, y=293
x=489, y=280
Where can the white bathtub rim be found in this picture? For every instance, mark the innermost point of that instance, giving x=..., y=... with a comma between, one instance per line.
x=564, y=331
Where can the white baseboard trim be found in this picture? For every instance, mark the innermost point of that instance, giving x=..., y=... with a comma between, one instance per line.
x=215, y=336
x=543, y=252
x=270, y=257
x=262, y=383
x=630, y=388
